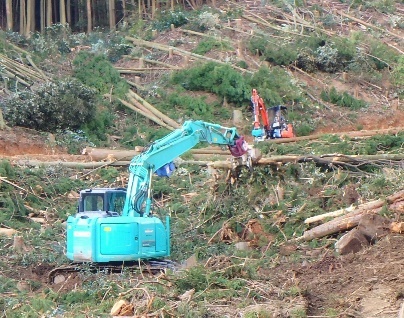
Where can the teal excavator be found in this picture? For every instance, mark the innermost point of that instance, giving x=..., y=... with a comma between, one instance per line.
x=117, y=224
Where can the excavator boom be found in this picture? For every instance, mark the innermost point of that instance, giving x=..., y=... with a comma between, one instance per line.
x=117, y=224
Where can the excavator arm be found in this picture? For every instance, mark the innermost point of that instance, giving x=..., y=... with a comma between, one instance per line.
x=102, y=231
x=260, y=112
x=165, y=150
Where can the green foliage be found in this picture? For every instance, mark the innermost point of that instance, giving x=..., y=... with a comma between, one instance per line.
x=6, y=169
x=56, y=39
x=261, y=313
x=384, y=6
x=242, y=64
x=112, y=46
x=209, y=44
x=327, y=58
x=166, y=18
x=96, y=128
x=95, y=71
x=59, y=40
x=273, y=51
x=398, y=75
x=275, y=86
x=344, y=99
x=207, y=21
x=381, y=56
x=67, y=104
x=73, y=141
x=215, y=78
x=304, y=129
x=335, y=54
x=196, y=277
x=194, y=107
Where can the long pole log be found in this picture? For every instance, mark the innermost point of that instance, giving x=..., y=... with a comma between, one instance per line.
x=350, y=134
x=139, y=105
x=153, y=118
x=153, y=62
x=154, y=110
x=98, y=154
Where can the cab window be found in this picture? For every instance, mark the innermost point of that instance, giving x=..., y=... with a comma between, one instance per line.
x=93, y=203
x=117, y=202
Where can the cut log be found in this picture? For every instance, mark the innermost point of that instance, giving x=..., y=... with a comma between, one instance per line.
x=332, y=214
x=152, y=62
x=394, y=200
x=104, y=154
x=397, y=227
x=154, y=110
x=335, y=226
x=352, y=134
x=7, y=232
x=212, y=150
x=147, y=115
x=73, y=165
x=352, y=219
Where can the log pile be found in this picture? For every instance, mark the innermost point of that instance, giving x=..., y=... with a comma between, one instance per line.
x=363, y=222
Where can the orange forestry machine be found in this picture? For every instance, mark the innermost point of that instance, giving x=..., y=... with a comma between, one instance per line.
x=269, y=126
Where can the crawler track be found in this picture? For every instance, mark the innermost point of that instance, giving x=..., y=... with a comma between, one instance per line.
x=150, y=266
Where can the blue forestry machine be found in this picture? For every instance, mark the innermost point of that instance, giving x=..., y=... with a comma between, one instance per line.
x=116, y=224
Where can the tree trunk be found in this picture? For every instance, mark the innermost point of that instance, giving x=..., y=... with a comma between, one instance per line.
x=111, y=14
x=23, y=17
x=141, y=5
x=89, y=17
x=31, y=13
x=153, y=8
x=62, y=10
x=42, y=14
x=125, y=14
x=9, y=14
x=48, y=13
x=68, y=12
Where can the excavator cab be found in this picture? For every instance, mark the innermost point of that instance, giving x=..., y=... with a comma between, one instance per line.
x=269, y=123
x=279, y=126
x=109, y=200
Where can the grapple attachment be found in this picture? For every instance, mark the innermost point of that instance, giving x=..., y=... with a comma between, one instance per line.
x=239, y=148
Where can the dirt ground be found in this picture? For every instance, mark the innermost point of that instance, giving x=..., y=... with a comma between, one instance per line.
x=368, y=284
